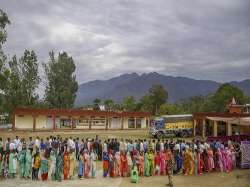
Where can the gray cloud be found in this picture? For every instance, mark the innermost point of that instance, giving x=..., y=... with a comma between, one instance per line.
x=202, y=39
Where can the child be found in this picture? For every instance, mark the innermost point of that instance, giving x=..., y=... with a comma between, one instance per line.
x=134, y=175
x=44, y=167
x=36, y=166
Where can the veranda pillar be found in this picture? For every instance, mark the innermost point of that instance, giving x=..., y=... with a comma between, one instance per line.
x=229, y=129
x=215, y=129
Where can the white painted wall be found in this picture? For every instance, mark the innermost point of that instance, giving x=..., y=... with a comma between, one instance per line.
x=41, y=122
x=143, y=123
x=125, y=122
x=24, y=122
x=49, y=123
x=116, y=123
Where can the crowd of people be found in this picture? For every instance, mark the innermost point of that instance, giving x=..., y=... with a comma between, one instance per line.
x=56, y=158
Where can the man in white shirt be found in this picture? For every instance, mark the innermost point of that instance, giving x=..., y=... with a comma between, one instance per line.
x=17, y=142
x=37, y=143
x=141, y=146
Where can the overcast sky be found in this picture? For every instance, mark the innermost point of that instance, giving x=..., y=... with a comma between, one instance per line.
x=201, y=39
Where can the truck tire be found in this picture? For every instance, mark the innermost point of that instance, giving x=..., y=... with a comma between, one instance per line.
x=160, y=135
x=184, y=134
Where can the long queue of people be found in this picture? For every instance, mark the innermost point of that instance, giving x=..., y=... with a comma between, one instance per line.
x=56, y=158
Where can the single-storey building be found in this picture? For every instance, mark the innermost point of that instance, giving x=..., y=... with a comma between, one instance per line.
x=236, y=121
x=53, y=119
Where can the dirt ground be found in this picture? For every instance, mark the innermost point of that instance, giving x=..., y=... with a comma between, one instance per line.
x=237, y=178
x=103, y=134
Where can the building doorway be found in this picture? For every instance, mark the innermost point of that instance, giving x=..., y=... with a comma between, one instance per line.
x=222, y=128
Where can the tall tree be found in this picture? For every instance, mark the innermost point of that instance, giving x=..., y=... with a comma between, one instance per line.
x=223, y=96
x=4, y=21
x=146, y=104
x=170, y=109
x=96, y=103
x=158, y=95
x=13, y=89
x=29, y=76
x=129, y=103
x=61, y=85
x=196, y=104
x=109, y=104
x=22, y=80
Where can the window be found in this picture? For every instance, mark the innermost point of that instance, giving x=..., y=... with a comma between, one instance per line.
x=138, y=123
x=131, y=123
x=65, y=123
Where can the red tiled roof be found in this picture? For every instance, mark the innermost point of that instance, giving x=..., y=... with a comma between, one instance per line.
x=77, y=112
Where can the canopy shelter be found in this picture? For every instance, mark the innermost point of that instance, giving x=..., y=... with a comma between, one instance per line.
x=243, y=121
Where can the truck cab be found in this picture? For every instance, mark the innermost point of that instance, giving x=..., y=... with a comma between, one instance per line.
x=157, y=129
x=172, y=126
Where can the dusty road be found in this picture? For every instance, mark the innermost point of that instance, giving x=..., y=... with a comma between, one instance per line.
x=237, y=178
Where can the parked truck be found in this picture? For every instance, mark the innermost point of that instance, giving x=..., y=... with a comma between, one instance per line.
x=172, y=126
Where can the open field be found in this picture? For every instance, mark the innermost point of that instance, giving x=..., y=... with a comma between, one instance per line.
x=103, y=134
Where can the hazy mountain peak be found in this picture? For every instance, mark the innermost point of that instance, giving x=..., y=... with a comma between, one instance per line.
x=132, y=84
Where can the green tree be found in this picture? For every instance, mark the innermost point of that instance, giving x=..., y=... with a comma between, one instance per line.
x=22, y=80
x=29, y=76
x=109, y=104
x=196, y=104
x=117, y=106
x=61, y=87
x=129, y=103
x=96, y=103
x=13, y=90
x=223, y=96
x=158, y=96
x=247, y=99
x=146, y=104
x=170, y=109
x=4, y=21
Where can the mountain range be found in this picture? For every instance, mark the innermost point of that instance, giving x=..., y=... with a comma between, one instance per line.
x=138, y=85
